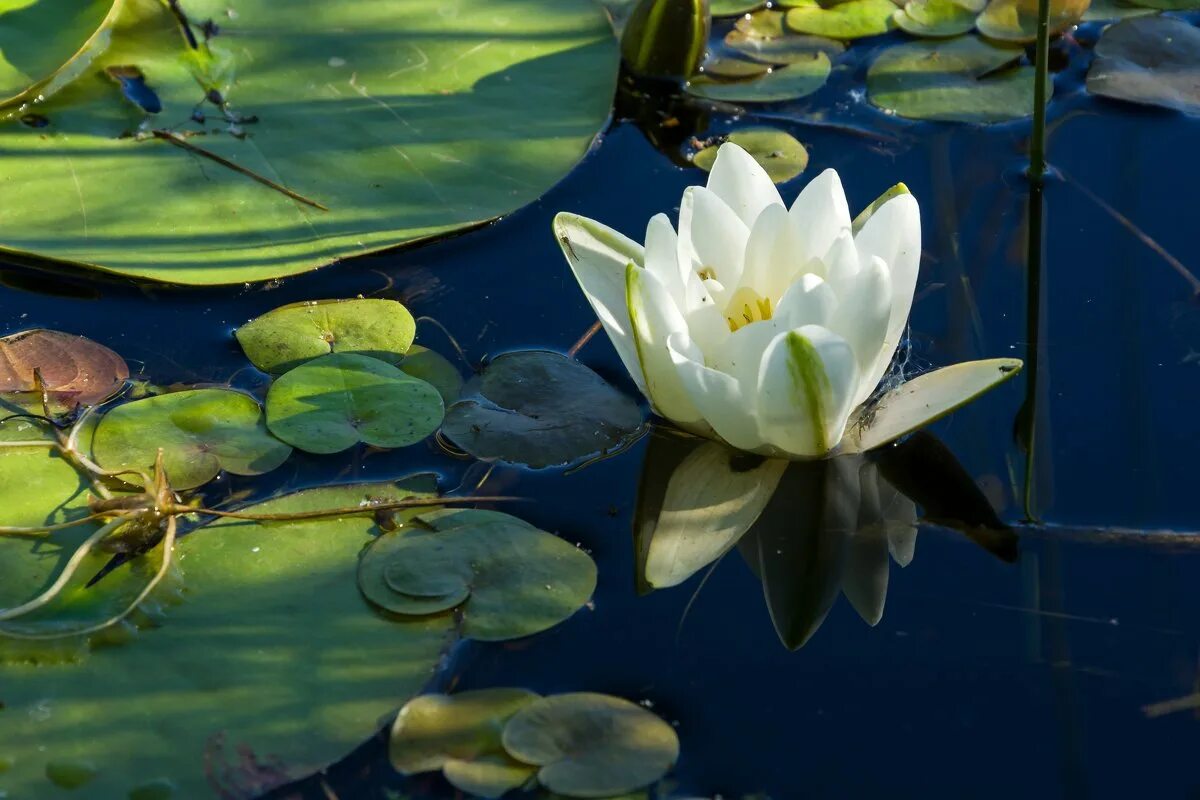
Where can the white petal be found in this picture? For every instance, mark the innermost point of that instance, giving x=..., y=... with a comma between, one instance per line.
x=705, y=317
x=863, y=310
x=711, y=237
x=597, y=255
x=662, y=256
x=728, y=409
x=654, y=317
x=773, y=254
x=820, y=214
x=805, y=385
x=742, y=183
x=808, y=301
x=893, y=233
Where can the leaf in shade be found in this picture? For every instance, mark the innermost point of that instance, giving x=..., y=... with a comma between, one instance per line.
x=964, y=79
x=1113, y=10
x=287, y=337
x=591, y=745
x=1150, y=60
x=784, y=49
x=507, y=578
x=435, y=369
x=334, y=402
x=1169, y=5
x=72, y=369
x=791, y=82
x=938, y=18
x=854, y=19
x=200, y=431
x=1016, y=20
x=779, y=153
x=44, y=45
x=541, y=408
x=459, y=734
x=727, y=68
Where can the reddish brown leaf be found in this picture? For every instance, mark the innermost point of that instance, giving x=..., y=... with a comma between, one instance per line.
x=72, y=367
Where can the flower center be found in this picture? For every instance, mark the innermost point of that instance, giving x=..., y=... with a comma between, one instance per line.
x=747, y=306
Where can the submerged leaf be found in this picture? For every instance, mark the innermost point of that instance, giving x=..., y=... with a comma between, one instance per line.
x=796, y=80
x=72, y=368
x=1150, y=60
x=779, y=153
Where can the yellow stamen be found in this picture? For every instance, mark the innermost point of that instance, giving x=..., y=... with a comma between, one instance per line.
x=747, y=307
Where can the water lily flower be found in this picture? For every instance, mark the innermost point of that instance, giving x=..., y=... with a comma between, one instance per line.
x=766, y=326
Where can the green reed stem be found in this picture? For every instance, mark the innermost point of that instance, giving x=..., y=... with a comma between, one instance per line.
x=1041, y=70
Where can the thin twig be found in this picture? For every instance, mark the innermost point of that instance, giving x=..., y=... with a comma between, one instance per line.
x=587, y=336
x=408, y=502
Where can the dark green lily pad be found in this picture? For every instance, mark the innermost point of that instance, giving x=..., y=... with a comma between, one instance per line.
x=850, y=20
x=1113, y=10
x=459, y=734
x=791, y=82
x=435, y=369
x=507, y=578
x=273, y=638
x=45, y=44
x=541, y=409
x=785, y=49
x=733, y=8
x=780, y=153
x=764, y=24
x=937, y=18
x=336, y=401
x=200, y=431
x=1016, y=20
x=287, y=337
x=591, y=745
x=1149, y=60
x=965, y=79
x=728, y=68
x=1171, y=5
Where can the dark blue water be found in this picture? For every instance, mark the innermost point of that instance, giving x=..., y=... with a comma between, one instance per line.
x=987, y=677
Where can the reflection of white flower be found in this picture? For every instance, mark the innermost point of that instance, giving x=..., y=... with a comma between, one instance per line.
x=764, y=325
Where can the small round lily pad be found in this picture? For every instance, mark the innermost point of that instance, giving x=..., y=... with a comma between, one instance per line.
x=333, y=402
x=1149, y=60
x=591, y=745
x=780, y=153
x=792, y=82
x=937, y=18
x=459, y=734
x=200, y=431
x=965, y=79
x=540, y=408
x=786, y=49
x=1016, y=20
x=435, y=369
x=850, y=20
x=287, y=337
x=764, y=24
x=507, y=578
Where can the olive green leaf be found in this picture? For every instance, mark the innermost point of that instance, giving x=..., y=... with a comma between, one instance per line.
x=784, y=49
x=1017, y=20
x=1149, y=60
x=404, y=119
x=850, y=20
x=200, y=431
x=731, y=68
x=336, y=401
x=44, y=45
x=733, y=8
x=591, y=745
x=780, y=154
x=435, y=369
x=541, y=408
x=272, y=639
x=287, y=337
x=965, y=79
x=791, y=82
x=937, y=18
x=509, y=578
x=1113, y=10
x=764, y=24
x=460, y=735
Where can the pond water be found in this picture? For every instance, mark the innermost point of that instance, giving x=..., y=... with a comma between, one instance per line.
x=1020, y=664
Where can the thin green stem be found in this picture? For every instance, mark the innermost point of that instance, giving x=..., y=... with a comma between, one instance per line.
x=1041, y=69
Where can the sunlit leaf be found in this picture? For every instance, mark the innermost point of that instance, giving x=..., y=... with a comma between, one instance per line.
x=964, y=79
x=404, y=119
x=1016, y=20
x=1150, y=60
x=850, y=20
x=200, y=431
x=733, y=8
x=287, y=337
x=45, y=44
x=937, y=18
x=507, y=578
x=784, y=49
x=791, y=82
x=73, y=369
x=435, y=369
x=764, y=24
x=541, y=408
x=781, y=155
x=591, y=745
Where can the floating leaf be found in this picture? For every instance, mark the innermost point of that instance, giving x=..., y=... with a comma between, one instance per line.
x=926, y=399
x=287, y=337
x=1112, y=10
x=273, y=639
x=726, y=68
x=733, y=8
x=391, y=115
x=957, y=80
x=792, y=82
x=1017, y=20
x=542, y=409
x=433, y=368
x=336, y=401
x=72, y=368
x=591, y=745
x=785, y=49
x=781, y=155
x=937, y=18
x=200, y=431
x=850, y=20
x=45, y=45
x=1149, y=60
x=510, y=579
x=460, y=735
x=764, y=24
x=1170, y=5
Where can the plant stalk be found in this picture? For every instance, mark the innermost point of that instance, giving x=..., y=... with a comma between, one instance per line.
x=1041, y=70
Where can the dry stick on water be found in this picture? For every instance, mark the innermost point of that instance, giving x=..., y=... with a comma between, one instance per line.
x=587, y=337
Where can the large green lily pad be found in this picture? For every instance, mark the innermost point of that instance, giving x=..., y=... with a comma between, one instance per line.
x=1149, y=60
x=507, y=578
x=965, y=79
x=287, y=337
x=45, y=44
x=272, y=668
x=541, y=408
x=336, y=401
x=405, y=118
x=200, y=431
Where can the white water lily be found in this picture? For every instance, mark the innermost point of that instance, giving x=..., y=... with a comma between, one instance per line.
x=762, y=325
